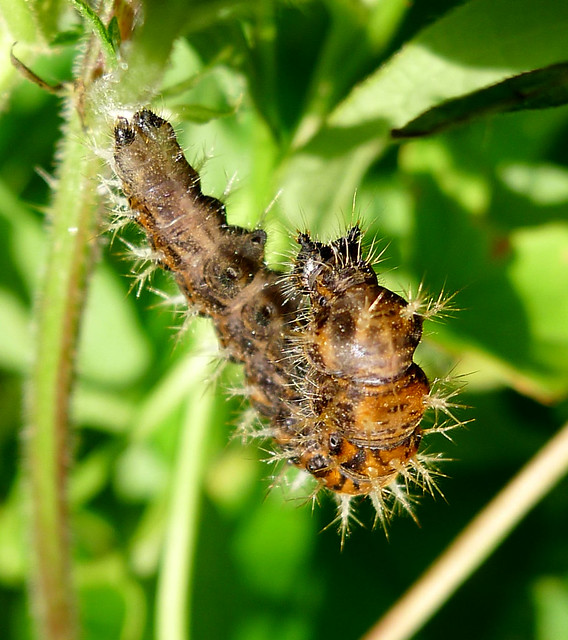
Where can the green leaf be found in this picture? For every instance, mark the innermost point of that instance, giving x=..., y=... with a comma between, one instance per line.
x=113, y=348
x=114, y=33
x=201, y=114
x=18, y=23
x=15, y=336
x=540, y=89
x=98, y=28
x=539, y=274
x=65, y=38
x=550, y=597
x=476, y=45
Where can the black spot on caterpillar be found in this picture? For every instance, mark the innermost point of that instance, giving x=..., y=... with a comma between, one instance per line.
x=327, y=352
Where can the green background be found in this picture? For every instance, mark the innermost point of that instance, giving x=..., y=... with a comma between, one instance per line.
x=300, y=98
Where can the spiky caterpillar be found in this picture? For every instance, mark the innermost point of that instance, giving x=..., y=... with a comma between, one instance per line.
x=328, y=356
x=369, y=396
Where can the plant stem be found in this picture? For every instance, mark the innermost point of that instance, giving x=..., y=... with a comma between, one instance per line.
x=172, y=618
x=59, y=308
x=478, y=540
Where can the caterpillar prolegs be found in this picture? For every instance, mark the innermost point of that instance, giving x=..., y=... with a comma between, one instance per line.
x=327, y=351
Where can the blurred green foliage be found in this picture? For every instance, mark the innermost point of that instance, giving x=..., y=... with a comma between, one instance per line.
x=301, y=97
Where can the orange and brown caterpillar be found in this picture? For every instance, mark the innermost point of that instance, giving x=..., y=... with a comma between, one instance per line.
x=327, y=354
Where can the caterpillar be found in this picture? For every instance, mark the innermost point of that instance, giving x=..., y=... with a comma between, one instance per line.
x=327, y=351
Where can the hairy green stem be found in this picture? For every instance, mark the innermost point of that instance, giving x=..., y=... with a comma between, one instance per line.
x=58, y=308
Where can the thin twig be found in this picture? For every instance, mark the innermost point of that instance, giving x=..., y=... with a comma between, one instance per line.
x=59, y=89
x=479, y=539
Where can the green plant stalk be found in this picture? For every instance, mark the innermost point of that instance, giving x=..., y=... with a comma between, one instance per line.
x=72, y=234
x=476, y=542
x=47, y=451
x=172, y=603
x=59, y=304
